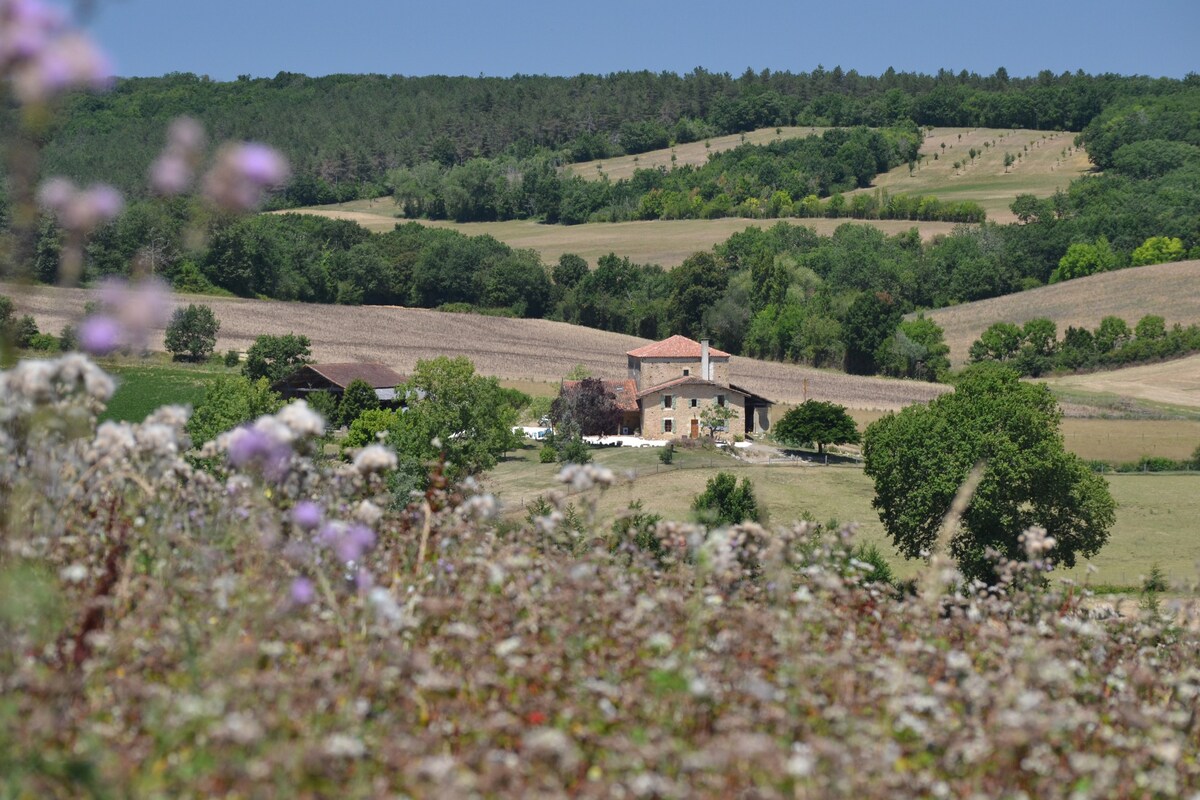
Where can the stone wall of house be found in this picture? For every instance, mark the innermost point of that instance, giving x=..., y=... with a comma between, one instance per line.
x=682, y=412
x=649, y=372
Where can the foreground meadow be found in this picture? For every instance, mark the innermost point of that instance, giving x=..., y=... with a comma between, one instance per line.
x=282, y=626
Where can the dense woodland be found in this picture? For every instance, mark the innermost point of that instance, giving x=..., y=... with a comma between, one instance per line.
x=780, y=293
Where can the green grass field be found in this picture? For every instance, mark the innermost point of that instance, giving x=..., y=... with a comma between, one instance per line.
x=145, y=384
x=1158, y=516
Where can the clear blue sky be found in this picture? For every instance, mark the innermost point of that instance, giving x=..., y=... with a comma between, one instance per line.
x=225, y=38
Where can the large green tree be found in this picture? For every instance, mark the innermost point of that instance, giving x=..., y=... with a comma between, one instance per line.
x=228, y=402
x=452, y=411
x=276, y=357
x=192, y=332
x=919, y=458
x=818, y=422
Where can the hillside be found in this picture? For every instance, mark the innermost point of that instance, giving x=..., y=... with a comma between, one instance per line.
x=1168, y=290
x=663, y=242
x=537, y=350
x=1050, y=163
x=691, y=153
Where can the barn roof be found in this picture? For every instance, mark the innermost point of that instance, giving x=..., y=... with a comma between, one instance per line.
x=675, y=347
x=376, y=375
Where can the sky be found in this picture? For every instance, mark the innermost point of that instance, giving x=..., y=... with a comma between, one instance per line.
x=227, y=38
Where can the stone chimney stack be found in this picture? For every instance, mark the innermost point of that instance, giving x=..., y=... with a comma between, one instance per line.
x=705, y=367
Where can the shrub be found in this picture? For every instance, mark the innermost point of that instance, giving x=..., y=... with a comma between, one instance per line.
x=547, y=455
x=23, y=331
x=1156, y=581
x=358, y=397
x=666, y=454
x=192, y=332
x=724, y=502
x=44, y=342
x=232, y=358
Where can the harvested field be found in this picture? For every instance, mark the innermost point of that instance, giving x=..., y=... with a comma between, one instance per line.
x=525, y=350
x=1042, y=169
x=665, y=242
x=1168, y=383
x=693, y=153
x=1168, y=290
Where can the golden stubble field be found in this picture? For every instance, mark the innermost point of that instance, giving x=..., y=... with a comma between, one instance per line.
x=1168, y=290
x=511, y=349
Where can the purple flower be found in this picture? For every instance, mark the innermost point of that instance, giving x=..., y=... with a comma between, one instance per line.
x=170, y=175
x=242, y=173
x=99, y=335
x=259, y=164
x=247, y=445
x=306, y=515
x=303, y=591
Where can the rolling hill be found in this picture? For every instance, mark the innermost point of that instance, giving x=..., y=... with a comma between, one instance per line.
x=513, y=349
x=1168, y=290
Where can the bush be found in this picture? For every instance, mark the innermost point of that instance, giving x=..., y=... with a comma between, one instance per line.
x=358, y=397
x=192, y=333
x=23, y=331
x=574, y=450
x=667, y=454
x=548, y=455
x=1156, y=581
x=44, y=342
x=232, y=358
x=724, y=502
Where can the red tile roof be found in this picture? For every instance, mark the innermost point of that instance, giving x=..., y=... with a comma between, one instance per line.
x=688, y=380
x=624, y=391
x=675, y=347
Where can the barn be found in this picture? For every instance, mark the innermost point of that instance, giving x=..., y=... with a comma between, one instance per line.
x=334, y=378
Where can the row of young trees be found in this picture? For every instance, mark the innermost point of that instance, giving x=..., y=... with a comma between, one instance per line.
x=1034, y=348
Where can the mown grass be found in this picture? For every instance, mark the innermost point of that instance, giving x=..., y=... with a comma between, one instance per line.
x=1158, y=516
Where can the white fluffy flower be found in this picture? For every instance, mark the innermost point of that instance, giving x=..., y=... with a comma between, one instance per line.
x=301, y=420
x=374, y=458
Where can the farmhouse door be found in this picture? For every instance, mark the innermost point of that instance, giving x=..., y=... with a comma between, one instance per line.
x=695, y=429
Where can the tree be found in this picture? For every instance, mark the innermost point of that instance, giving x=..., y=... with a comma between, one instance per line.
x=192, y=333
x=1113, y=333
x=276, y=357
x=569, y=270
x=716, y=417
x=919, y=458
x=589, y=406
x=870, y=319
x=1158, y=250
x=916, y=350
x=1150, y=328
x=366, y=427
x=999, y=342
x=358, y=397
x=724, y=502
x=818, y=422
x=453, y=411
x=1082, y=260
x=228, y=402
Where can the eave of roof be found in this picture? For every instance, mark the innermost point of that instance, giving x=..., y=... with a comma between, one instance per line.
x=377, y=376
x=687, y=380
x=675, y=347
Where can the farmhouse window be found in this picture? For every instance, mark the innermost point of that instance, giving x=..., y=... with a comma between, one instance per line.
x=668, y=425
x=694, y=402
x=667, y=401
x=687, y=372
x=721, y=400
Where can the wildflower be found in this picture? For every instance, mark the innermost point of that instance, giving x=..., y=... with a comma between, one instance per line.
x=100, y=335
x=306, y=515
x=172, y=172
x=49, y=62
x=80, y=210
x=302, y=592
x=368, y=513
x=339, y=745
x=241, y=175
x=374, y=458
x=301, y=420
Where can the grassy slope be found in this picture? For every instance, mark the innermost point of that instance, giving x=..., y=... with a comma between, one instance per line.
x=145, y=384
x=1042, y=169
x=1156, y=516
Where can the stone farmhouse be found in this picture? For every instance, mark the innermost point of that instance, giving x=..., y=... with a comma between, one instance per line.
x=671, y=382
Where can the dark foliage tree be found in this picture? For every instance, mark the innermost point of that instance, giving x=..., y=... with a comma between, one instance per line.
x=724, y=502
x=870, y=319
x=192, y=332
x=919, y=458
x=587, y=405
x=276, y=357
x=816, y=422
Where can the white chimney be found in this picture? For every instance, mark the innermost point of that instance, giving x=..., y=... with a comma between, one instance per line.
x=705, y=369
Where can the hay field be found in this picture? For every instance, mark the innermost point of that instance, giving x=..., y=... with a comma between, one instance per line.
x=1158, y=516
x=664, y=242
x=516, y=350
x=1168, y=384
x=693, y=153
x=1040, y=171
x=1165, y=289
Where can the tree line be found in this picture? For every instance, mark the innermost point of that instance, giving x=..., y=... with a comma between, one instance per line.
x=344, y=133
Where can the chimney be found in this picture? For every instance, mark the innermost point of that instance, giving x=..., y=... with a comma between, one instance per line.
x=705, y=369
